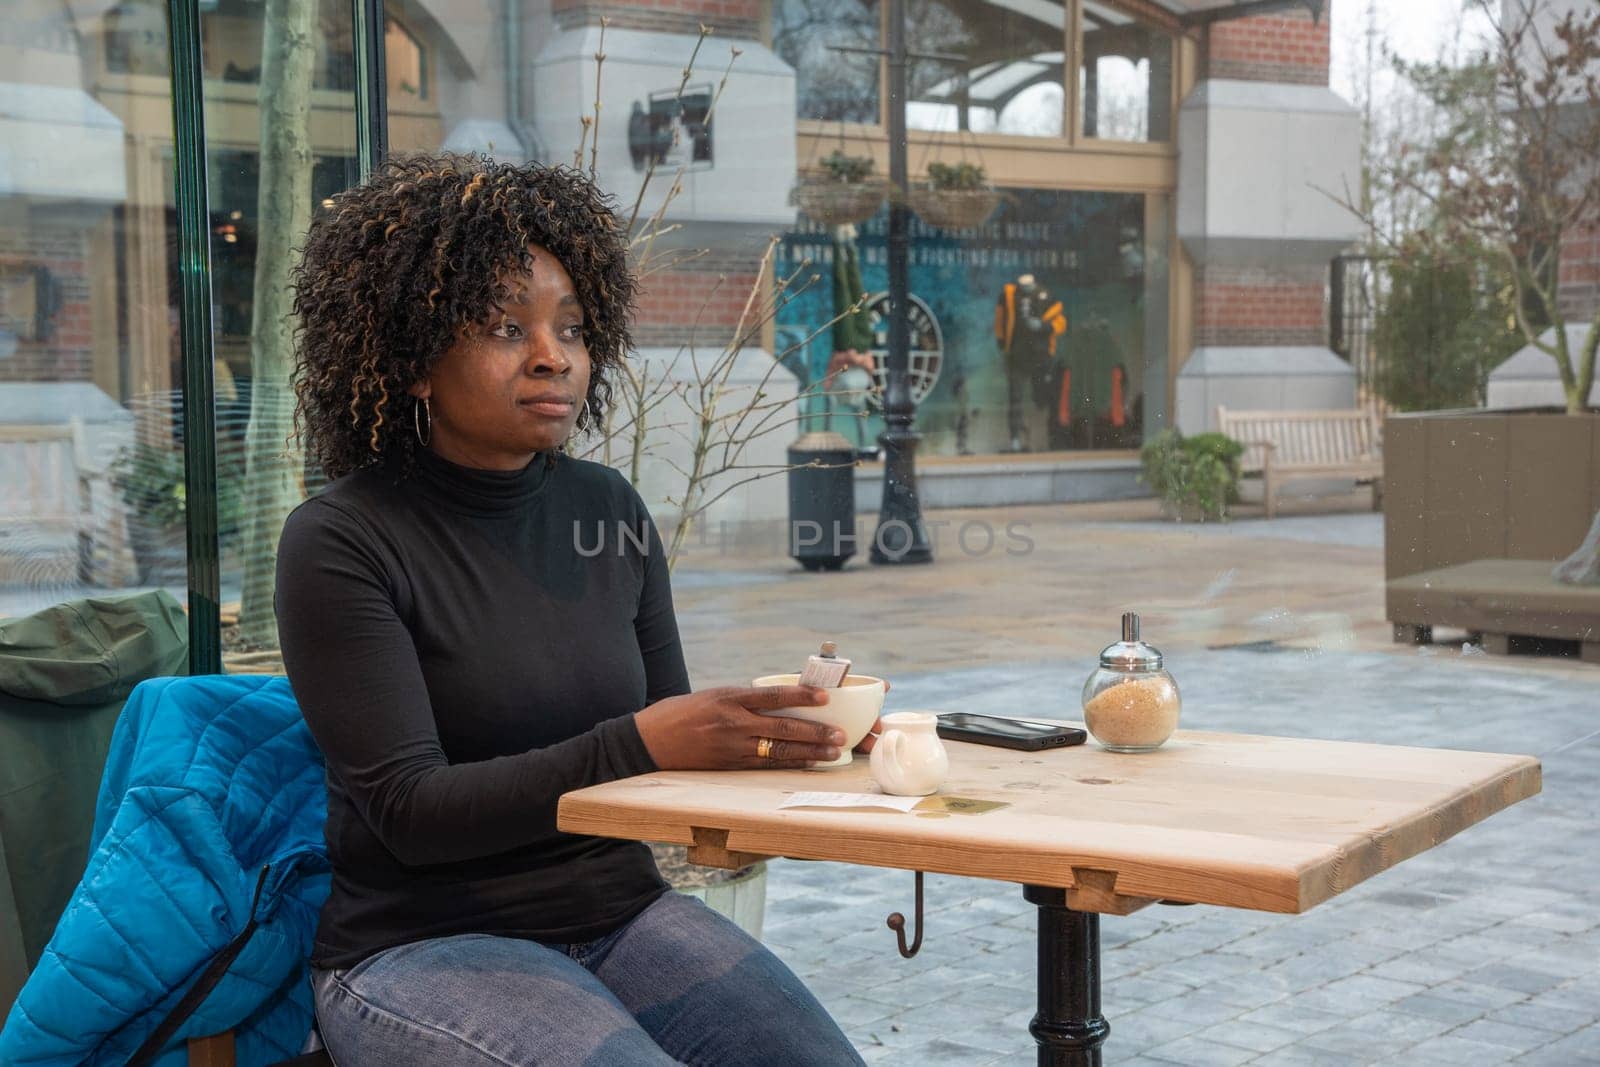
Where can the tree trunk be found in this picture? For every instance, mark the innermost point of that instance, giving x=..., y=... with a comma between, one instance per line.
x=1578, y=397
x=273, y=470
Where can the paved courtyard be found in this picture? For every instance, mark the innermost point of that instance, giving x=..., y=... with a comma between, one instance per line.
x=1484, y=950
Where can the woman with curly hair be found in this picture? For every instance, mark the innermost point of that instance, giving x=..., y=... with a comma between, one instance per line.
x=462, y=660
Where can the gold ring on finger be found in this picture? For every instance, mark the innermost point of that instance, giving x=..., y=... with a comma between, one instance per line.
x=764, y=748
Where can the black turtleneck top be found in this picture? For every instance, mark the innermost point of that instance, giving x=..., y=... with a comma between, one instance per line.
x=466, y=647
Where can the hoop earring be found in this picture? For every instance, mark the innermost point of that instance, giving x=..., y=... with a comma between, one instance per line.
x=419, y=409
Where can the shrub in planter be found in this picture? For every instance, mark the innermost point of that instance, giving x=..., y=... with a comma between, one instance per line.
x=1197, y=477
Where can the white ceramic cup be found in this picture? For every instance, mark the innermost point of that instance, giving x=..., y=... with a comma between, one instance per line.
x=853, y=707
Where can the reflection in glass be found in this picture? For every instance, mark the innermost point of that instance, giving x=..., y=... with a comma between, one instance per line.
x=262, y=200
x=231, y=43
x=91, y=495
x=404, y=61
x=829, y=85
x=135, y=36
x=1125, y=79
x=1012, y=78
x=435, y=104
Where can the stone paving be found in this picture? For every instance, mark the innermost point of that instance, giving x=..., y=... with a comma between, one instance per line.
x=1483, y=950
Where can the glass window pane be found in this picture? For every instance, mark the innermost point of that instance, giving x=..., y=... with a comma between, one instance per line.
x=91, y=464
x=405, y=62
x=134, y=39
x=1044, y=329
x=265, y=185
x=231, y=39
x=1124, y=79
x=1011, y=79
x=830, y=85
x=464, y=63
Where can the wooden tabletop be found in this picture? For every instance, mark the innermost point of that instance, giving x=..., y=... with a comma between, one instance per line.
x=1266, y=823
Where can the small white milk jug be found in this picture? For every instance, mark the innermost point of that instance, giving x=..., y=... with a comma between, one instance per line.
x=909, y=760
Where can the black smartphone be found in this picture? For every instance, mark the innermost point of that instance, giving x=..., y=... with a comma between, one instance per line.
x=1006, y=733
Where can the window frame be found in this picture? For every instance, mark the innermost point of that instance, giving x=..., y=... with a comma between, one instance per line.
x=426, y=92
x=1149, y=174
x=1175, y=89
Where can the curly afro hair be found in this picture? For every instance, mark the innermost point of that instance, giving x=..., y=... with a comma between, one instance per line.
x=402, y=264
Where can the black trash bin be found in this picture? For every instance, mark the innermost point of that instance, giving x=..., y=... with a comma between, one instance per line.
x=822, y=501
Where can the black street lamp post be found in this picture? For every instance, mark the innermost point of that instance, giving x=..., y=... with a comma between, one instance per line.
x=901, y=536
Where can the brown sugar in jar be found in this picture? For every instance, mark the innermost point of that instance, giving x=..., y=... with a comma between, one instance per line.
x=1130, y=703
x=1134, y=714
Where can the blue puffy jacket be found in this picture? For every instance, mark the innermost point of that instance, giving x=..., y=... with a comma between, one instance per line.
x=213, y=788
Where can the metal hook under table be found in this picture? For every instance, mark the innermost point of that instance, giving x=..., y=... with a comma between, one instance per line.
x=897, y=923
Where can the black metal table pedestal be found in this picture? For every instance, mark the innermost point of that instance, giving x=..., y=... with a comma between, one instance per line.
x=1068, y=1026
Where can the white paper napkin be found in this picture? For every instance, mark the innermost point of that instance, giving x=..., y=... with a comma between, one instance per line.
x=851, y=800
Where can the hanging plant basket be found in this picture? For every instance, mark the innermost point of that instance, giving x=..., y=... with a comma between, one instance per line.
x=832, y=202
x=955, y=209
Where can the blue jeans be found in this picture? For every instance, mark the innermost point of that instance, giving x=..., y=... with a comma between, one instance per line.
x=678, y=984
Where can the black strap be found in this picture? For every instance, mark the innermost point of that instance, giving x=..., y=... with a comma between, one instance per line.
x=202, y=986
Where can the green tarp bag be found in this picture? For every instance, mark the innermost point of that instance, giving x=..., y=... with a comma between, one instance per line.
x=64, y=674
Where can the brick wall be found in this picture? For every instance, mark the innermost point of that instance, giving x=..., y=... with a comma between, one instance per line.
x=1258, y=306
x=730, y=19
x=66, y=353
x=699, y=303
x=1580, y=273
x=1285, y=47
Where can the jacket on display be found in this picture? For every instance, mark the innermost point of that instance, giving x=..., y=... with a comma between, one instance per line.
x=1093, y=378
x=1005, y=321
x=209, y=823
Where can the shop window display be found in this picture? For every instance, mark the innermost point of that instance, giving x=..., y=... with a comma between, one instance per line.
x=1035, y=332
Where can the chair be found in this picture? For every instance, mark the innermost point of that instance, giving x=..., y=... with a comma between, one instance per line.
x=208, y=866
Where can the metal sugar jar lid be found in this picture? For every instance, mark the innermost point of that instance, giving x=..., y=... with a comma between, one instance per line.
x=1130, y=654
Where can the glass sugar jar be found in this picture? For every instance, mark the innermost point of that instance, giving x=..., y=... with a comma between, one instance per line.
x=1130, y=702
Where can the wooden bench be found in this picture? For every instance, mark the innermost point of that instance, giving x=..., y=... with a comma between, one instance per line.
x=1285, y=445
